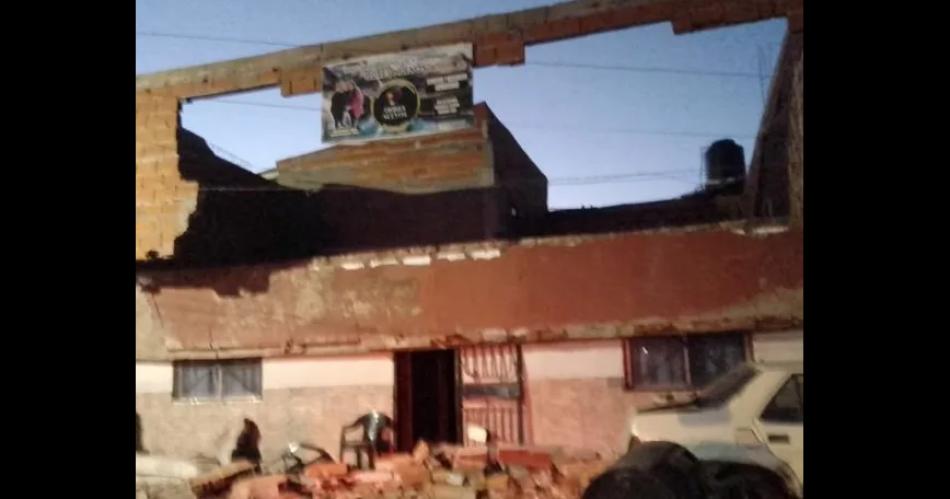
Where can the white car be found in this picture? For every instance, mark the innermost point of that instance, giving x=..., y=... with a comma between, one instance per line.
x=751, y=417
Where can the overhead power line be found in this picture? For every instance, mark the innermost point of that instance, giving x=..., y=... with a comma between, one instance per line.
x=516, y=124
x=182, y=36
x=643, y=176
x=641, y=69
x=230, y=156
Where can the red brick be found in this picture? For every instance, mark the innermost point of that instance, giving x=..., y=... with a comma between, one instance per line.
x=258, y=487
x=497, y=38
x=766, y=8
x=372, y=476
x=707, y=15
x=497, y=482
x=630, y=16
x=552, y=30
x=595, y=22
x=682, y=25
x=393, y=461
x=786, y=6
x=740, y=12
x=796, y=21
x=510, y=53
x=325, y=470
x=655, y=12
x=582, y=472
x=440, y=491
x=412, y=474
x=524, y=458
x=484, y=55
x=469, y=463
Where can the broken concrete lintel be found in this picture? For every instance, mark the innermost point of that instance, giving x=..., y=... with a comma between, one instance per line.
x=489, y=250
x=786, y=319
x=414, y=256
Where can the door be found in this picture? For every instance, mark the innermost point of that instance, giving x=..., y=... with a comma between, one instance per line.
x=426, y=398
x=492, y=391
x=782, y=423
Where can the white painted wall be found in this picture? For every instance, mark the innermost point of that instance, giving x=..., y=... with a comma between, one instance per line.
x=782, y=346
x=376, y=369
x=564, y=360
x=604, y=359
x=153, y=377
x=574, y=360
x=353, y=370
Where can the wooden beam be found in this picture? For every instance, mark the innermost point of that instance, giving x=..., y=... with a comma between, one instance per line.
x=500, y=37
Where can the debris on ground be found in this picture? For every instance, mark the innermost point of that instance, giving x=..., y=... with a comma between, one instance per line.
x=220, y=479
x=160, y=477
x=430, y=471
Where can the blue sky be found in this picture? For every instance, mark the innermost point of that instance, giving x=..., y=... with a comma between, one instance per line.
x=633, y=132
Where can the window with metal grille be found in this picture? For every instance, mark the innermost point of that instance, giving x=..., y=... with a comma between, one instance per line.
x=203, y=380
x=681, y=362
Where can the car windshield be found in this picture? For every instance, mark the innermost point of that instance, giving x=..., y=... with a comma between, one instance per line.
x=726, y=386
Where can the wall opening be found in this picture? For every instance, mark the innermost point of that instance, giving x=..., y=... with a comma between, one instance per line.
x=612, y=118
x=427, y=404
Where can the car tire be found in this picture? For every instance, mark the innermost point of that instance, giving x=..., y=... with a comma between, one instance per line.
x=626, y=483
x=753, y=483
x=670, y=463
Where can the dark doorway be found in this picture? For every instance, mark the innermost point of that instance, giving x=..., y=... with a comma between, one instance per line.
x=427, y=405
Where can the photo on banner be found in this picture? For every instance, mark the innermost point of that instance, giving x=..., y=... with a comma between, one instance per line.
x=403, y=94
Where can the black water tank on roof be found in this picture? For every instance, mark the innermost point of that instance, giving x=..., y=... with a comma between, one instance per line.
x=725, y=163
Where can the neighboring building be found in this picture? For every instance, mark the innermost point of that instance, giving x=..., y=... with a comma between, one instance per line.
x=443, y=291
x=269, y=174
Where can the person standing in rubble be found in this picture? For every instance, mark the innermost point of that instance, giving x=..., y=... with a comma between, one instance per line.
x=248, y=445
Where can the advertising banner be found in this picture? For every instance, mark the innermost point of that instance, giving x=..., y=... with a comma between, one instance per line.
x=408, y=93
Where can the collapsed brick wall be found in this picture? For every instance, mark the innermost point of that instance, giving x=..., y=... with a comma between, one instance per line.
x=164, y=200
x=239, y=217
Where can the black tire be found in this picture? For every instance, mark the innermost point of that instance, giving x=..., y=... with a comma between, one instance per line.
x=750, y=482
x=627, y=483
x=672, y=464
